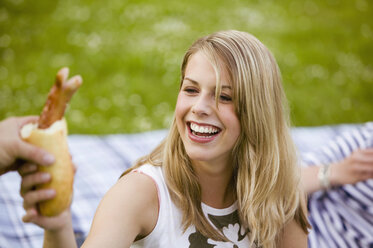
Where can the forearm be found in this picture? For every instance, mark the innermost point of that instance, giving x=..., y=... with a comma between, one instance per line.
x=62, y=238
x=310, y=181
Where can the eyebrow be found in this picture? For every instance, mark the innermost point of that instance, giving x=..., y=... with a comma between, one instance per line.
x=195, y=82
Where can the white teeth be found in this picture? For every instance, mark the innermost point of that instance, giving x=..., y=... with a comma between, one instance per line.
x=203, y=129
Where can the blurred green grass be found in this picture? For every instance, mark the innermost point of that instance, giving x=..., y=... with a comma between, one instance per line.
x=129, y=55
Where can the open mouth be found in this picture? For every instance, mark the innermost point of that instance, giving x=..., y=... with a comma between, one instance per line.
x=203, y=131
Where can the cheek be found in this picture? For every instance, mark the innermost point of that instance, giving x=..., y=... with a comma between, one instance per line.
x=182, y=105
x=237, y=127
x=180, y=110
x=232, y=123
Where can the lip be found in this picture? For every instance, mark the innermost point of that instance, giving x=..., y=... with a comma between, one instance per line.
x=201, y=139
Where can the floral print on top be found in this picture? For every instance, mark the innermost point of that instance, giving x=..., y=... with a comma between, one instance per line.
x=229, y=225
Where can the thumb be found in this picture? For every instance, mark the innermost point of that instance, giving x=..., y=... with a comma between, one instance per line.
x=34, y=154
x=27, y=119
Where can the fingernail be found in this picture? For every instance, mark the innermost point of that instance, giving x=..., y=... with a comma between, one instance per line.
x=48, y=159
x=45, y=176
x=50, y=192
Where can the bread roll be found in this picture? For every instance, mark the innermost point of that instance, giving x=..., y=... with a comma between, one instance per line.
x=53, y=140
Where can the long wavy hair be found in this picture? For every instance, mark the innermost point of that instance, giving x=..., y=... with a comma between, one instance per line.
x=265, y=168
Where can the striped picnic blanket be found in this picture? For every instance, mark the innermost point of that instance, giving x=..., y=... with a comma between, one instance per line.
x=342, y=217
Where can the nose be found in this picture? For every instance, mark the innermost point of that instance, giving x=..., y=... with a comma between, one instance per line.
x=202, y=105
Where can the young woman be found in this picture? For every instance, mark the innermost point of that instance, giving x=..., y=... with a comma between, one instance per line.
x=226, y=174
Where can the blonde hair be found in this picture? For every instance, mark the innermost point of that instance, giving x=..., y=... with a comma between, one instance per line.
x=265, y=177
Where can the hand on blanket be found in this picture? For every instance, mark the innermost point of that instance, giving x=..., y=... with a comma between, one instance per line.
x=13, y=148
x=31, y=178
x=355, y=168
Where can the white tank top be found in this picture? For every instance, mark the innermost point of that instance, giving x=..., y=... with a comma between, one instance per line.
x=168, y=230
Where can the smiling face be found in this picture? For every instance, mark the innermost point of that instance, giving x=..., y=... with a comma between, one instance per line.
x=208, y=132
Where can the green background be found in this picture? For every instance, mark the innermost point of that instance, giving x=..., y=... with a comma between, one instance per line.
x=129, y=55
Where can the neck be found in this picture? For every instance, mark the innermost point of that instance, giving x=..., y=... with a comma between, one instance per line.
x=217, y=189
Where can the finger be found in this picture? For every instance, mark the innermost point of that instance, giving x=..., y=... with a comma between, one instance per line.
x=364, y=171
x=367, y=162
x=30, y=215
x=30, y=181
x=16, y=165
x=34, y=154
x=35, y=196
x=27, y=119
x=27, y=168
x=367, y=151
x=366, y=176
x=363, y=158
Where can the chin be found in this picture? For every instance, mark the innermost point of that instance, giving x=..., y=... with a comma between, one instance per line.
x=199, y=155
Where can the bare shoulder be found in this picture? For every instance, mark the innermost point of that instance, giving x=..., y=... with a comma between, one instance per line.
x=292, y=236
x=128, y=211
x=136, y=183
